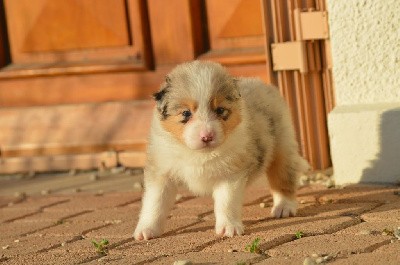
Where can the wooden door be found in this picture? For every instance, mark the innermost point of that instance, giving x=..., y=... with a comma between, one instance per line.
x=77, y=76
x=66, y=51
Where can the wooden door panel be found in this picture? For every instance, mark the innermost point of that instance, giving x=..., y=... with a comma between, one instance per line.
x=46, y=34
x=90, y=24
x=236, y=32
x=172, y=30
x=235, y=24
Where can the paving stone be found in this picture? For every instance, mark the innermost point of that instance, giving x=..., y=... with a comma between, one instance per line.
x=83, y=245
x=239, y=243
x=7, y=200
x=307, y=199
x=191, y=212
x=86, y=249
x=289, y=226
x=312, y=190
x=255, y=212
x=117, y=230
x=49, y=258
x=10, y=214
x=126, y=229
x=17, y=229
x=39, y=202
x=211, y=258
x=389, y=212
x=68, y=228
x=387, y=254
x=374, y=228
x=114, y=216
x=122, y=259
x=307, y=225
x=256, y=195
x=335, y=209
x=31, y=244
x=369, y=258
x=392, y=247
x=109, y=215
x=251, y=196
x=249, y=213
x=93, y=202
x=198, y=226
x=52, y=216
x=361, y=194
x=202, y=201
x=168, y=245
x=281, y=261
x=341, y=245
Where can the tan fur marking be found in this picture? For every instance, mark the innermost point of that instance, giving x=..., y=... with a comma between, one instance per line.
x=279, y=176
x=173, y=125
x=173, y=122
x=217, y=101
x=230, y=124
x=234, y=118
x=188, y=104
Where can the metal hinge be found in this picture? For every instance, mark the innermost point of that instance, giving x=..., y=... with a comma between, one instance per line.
x=309, y=25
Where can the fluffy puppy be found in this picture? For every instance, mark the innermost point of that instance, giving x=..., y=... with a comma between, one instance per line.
x=214, y=134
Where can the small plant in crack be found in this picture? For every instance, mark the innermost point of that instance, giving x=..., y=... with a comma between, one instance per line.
x=254, y=246
x=387, y=232
x=101, y=247
x=60, y=222
x=299, y=234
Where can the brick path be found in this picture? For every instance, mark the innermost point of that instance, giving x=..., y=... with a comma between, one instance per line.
x=346, y=226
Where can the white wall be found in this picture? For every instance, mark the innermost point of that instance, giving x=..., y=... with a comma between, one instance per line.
x=364, y=127
x=365, y=39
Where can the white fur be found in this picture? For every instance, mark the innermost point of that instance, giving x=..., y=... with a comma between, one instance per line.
x=198, y=128
x=283, y=206
x=228, y=197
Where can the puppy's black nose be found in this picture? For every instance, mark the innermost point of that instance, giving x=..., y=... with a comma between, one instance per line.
x=207, y=139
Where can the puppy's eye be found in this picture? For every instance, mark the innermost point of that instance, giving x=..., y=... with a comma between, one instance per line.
x=220, y=111
x=186, y=113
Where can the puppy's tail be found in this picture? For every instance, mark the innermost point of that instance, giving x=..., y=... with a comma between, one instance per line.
x=302, y=165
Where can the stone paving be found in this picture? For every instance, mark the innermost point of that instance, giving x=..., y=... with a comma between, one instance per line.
x=351, y=225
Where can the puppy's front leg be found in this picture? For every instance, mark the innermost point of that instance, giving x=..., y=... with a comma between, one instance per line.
x=228, y=200
x=158, y=198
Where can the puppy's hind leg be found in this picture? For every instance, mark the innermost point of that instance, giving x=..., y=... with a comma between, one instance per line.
x=158, y=199
x=282, y=176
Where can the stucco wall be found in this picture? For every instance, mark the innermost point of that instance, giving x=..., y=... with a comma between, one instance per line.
x=364, y=127
x=365, y=39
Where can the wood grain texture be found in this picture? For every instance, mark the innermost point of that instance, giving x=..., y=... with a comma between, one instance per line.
x=74, y=129
x=235, y=24
x=77, y=31
x=171, y=31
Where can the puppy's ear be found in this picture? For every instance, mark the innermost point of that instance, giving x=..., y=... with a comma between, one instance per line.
x=234, y=94
x=160, y=98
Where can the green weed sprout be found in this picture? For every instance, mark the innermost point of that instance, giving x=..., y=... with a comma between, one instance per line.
x=299, y=234
x=101, y=247
x=254, y=246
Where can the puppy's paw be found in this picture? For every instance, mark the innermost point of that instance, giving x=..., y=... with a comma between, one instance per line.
x=146, y=233
x=229, y=229
x=283, y=206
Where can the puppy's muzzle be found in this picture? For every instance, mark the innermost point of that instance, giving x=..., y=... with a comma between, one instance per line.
x=206, y=137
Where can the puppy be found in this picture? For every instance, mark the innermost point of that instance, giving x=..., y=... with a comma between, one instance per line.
x=214, y=134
